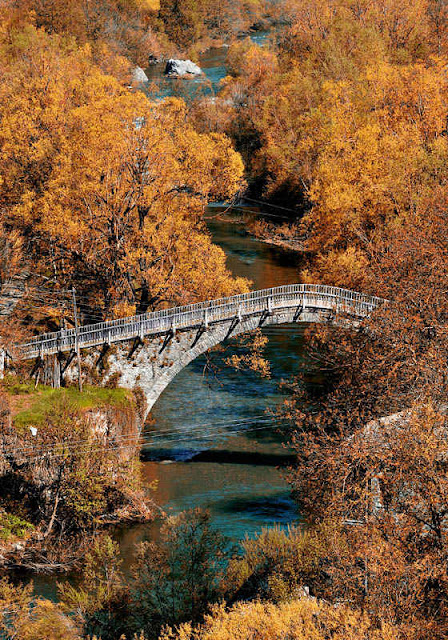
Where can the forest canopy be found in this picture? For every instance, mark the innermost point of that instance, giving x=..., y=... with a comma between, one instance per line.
x=102, y=188
x=343, y=122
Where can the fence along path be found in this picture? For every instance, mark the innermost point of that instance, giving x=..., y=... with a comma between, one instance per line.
x=203, y=314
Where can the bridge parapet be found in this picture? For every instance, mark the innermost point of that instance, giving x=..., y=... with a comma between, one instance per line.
x=301, y=296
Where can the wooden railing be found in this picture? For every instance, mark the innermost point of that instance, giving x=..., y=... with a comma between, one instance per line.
x=301, y=296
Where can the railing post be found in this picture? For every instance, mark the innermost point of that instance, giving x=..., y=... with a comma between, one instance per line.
x=2, y=363
x=78, y=355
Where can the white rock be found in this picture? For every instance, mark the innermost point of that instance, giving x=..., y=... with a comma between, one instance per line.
x=139, y=76
x=182, y=68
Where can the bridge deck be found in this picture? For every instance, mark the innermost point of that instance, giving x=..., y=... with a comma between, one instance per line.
x=319, y=297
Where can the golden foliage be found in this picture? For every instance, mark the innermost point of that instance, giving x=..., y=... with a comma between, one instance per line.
x=28, y=618
x=386, y=477
x=253, y=359
x=107, y=188
x=304, y=619
x=345, y=119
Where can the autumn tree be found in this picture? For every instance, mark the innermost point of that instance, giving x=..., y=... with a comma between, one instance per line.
x=438, y=20
x=188, y=22
x=106, y=188
x=110, y=27
x=142, y=193
x=280, y=564
x=75, y=475
x=173, y=580
x=372, y=456
x=343, y=120
x=183, y=20
x=378, y=163
x=100, y=601
x=176, y=578
x=296, y=620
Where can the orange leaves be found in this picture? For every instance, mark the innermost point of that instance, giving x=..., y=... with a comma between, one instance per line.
x=253, y=359
x=381, y=152
x=388, y=474
x=347, y=117
x=109, y=187
x=25, y=616
x=298, y=619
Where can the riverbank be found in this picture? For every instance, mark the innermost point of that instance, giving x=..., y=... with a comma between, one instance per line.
x=70, y=469
x=284, y=236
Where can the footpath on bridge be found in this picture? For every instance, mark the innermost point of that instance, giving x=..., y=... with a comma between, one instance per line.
x=300, y=296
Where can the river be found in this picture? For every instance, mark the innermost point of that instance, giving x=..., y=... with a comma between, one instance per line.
x=213, y=64
x=217, y=448
x=213, y=445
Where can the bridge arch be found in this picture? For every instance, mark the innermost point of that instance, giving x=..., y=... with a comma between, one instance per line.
x=154, y=347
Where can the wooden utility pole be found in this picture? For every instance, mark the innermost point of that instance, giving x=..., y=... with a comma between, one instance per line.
x=78, y=355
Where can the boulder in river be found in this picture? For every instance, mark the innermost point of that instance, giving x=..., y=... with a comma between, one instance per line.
x=154, y=59
x=139, y=76
x=182, y=68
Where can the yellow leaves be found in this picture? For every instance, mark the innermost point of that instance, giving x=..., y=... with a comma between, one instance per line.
x=259, y=64
x=30, y=618
x=342, y=268
x=349, y=117
x=47, y=621
x=413, y=93
x=253, y=359
x=364, y=27
x=127, y=181
x=148, y=5
x=381, y=139
x=110, y=185
x=35, y=98
x=123, y=309
x=404, y=23
x=304, y=619
x=227, y=169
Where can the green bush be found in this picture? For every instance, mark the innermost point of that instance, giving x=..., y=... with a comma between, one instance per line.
x=12, y=526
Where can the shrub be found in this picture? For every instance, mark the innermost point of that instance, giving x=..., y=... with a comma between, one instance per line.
x=303, y=619
x=12, y=526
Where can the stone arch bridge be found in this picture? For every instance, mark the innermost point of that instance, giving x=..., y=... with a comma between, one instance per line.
x=152, y=348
